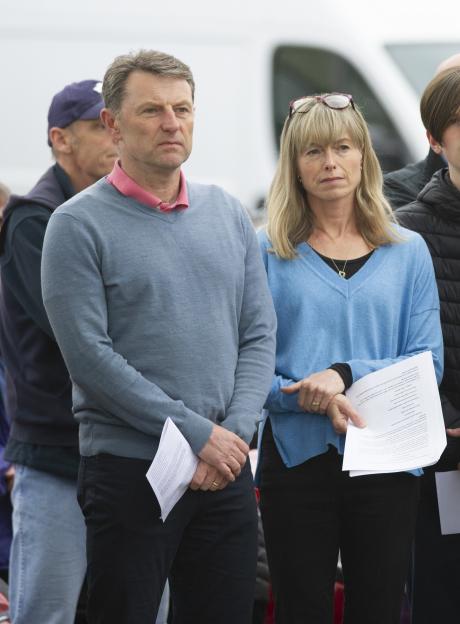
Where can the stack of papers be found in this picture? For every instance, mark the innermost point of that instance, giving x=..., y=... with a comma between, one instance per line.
x=404, y=424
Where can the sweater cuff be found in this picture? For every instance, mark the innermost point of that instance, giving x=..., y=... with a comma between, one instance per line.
x=196, y=431
x=344, y=370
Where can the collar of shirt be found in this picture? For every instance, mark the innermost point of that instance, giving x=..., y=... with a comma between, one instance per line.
x=128, y=187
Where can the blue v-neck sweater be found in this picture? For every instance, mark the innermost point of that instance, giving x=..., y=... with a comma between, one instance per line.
x=387, y=311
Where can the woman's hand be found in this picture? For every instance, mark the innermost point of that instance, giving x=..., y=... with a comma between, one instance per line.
x=317, y=390
x=340, y=411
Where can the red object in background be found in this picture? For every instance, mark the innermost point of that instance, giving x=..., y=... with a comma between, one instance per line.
x=338, y=603
x=270, y=613
x=3, y=604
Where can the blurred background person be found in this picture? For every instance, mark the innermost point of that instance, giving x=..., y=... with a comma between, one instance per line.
x=436, y=215
x=6, y=481
x=402, y=186
x=6, y=470
x=335, y=259
x=48, y=562
x=4, y=196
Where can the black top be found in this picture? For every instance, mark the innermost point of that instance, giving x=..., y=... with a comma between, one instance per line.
x=349, y=267
x=44, y=434
x=402, y=186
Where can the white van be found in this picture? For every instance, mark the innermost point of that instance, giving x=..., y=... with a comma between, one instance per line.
x=249, y=59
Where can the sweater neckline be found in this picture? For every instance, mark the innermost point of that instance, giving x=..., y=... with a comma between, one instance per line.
x=346, y=287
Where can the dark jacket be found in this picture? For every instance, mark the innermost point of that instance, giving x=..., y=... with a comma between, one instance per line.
x=436, y=216
x=401, y=187
x=39, y=395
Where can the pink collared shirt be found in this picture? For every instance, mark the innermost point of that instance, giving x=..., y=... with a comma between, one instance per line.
x=127, y=186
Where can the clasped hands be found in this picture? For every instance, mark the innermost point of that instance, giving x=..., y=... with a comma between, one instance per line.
x=220, y=460
x=321, y=393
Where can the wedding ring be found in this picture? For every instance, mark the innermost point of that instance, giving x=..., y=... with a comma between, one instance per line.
x=215, y=484
x=315, y=404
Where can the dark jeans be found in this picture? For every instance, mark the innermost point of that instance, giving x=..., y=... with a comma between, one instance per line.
x=207, y=547
x=313, y=510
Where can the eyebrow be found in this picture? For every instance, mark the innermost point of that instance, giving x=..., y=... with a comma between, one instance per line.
x=161, y=104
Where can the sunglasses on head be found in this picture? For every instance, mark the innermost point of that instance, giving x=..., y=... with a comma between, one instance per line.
x=336, y=101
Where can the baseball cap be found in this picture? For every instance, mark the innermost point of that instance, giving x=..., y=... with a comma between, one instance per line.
x=78, y=100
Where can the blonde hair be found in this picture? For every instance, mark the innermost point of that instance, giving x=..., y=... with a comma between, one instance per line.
x=290, y=219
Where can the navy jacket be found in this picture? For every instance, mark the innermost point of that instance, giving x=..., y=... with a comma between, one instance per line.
x=39, y=391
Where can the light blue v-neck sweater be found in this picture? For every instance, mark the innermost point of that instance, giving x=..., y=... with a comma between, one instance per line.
x=158, y=315
x=387, y=311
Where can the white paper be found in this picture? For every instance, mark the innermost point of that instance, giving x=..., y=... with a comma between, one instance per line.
x=172, y=468
x=448, y=488
x=404, y=424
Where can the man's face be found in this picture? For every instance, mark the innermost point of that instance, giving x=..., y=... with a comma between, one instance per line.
x=154, y=127
x=93, y=151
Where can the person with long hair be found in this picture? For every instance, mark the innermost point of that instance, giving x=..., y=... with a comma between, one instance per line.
x=353, y=293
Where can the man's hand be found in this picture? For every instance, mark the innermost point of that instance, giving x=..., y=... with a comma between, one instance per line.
x=207, y=477
x=225, y=451
x=316, y=391
x=340, y=411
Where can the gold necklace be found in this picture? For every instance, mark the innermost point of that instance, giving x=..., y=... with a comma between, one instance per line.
x=341, y=271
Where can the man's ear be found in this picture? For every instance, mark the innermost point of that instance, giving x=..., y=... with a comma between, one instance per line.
x=111, y=124
x=434, y=144
x=60, y=140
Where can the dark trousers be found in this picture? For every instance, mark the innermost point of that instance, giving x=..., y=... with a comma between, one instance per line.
x=312, y=511
x=436, y=563
x=207, y=547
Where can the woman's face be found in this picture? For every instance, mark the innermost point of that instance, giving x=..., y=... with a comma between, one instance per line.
x=330, y=172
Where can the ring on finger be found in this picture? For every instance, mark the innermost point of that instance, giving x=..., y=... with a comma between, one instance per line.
x=215, y=484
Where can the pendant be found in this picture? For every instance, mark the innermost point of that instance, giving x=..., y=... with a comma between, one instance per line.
x=342, y=274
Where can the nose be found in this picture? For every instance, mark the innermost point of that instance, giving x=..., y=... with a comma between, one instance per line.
x=329, y=158
x=169, y=121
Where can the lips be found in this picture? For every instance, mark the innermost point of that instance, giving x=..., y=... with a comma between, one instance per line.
x=330, y=180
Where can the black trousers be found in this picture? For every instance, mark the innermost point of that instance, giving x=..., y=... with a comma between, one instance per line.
x=436, y=563
x=312, y=511
x=207, y=547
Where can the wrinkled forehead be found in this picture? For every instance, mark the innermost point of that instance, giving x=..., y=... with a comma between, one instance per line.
x=321, y=125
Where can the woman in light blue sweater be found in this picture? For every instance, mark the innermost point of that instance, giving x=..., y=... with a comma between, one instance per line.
x=353, y=293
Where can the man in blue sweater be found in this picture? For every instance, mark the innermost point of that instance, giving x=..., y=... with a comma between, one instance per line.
x=156, y=292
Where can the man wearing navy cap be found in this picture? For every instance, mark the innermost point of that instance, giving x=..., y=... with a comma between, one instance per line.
x=47, y=564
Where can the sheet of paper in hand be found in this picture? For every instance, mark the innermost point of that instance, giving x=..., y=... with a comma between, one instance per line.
x=404, y=425
x=172, y=468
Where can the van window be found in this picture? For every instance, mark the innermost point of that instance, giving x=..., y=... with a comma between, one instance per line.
x=418, y=61
x=299, y=70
